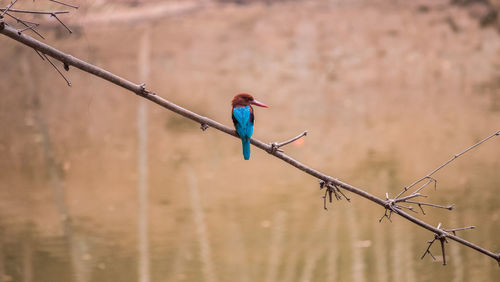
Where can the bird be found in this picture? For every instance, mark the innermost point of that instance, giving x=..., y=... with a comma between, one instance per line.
x=243, y=119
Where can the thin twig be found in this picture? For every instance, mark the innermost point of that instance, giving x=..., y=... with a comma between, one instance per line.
x=26, y=28
x=442, y=237
x=275, y=146
x=25, y=23
x=428, y=176
x=65, y=4
x=425, y=185
x=342, y=193
x=331, y=189
x=67, y=81
x=34, y=12
x=387, y=214
x=449, y=207
x=67, y=28
x=21, y=20
x=138, y=90
x=404, y=199
x=8, y=8
x=428, y=250
x=442, y=240
x=410, y=208
x=454, y=230
x=43, y=59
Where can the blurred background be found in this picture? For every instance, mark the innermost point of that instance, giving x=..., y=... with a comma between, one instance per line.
x=97, y=184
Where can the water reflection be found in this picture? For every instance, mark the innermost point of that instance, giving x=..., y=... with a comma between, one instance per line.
x=68, y=180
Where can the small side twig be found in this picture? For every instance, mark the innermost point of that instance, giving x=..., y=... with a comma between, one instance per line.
x=387, y=214
x=454, y=230
x=428, y=176
x=67, y=81
x=64, y=4
x=442, y=240
x=395, y=203
x=275, y=147
x=8, y=8
x=61, y=22
x=25, y=23
x=442, y=237
x=428, y=250
x=448, y=207
x=330, y=191
x=39, y=54
x=34, y=12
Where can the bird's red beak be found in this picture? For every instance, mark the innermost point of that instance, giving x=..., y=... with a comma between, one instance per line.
x=257, y=103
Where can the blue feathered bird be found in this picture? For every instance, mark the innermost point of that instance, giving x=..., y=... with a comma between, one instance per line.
x=243, y=119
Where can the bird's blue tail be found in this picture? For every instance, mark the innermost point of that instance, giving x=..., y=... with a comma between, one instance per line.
x=246, y=148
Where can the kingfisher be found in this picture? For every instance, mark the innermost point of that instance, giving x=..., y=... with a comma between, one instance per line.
x=243, y=119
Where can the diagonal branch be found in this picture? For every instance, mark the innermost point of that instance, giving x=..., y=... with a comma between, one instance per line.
x=64, y=4
x=25, y=23
x=60, y=73
x=61, y=22
x=140, y=90
x=393, y=203
x=428, y=176
x=8, y=8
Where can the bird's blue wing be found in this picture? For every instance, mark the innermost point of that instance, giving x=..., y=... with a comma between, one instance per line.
x=243, y=121
x=244, y=125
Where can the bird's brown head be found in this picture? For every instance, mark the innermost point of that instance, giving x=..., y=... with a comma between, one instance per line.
x=244, y=99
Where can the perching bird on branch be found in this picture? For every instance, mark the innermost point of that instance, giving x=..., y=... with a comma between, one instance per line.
x=243, y=119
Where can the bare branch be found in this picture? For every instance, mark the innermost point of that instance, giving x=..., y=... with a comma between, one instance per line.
x=8, y=8
x=387, y=214
x=20, y=20
x=388, y=204
x=442, y=239
x=65, y=26
x=34, y=12
x=404, y=199
x=26, y=28
x=275, y=146
x=448, y=207
x=398, y=199
x=410, y=208
x=427, y=183
x=31, y=25
x=25, y=23
x=331, y=189
x=428, y=250
x=65, y=4
x=428, y=176
x=454, y=230
x=43, y=59
x=67, y=81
